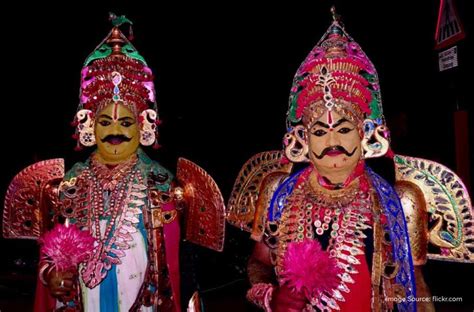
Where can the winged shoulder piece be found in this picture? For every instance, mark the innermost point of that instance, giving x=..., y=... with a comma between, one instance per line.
x=204, y=204
x=258, y=179
x=29, y=198
x=448, y=205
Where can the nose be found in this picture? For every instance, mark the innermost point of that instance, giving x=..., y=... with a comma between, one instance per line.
x=116, y=128
x=333, y=139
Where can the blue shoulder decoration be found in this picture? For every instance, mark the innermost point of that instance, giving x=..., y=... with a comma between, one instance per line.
x=393, y=211
x=279, y=197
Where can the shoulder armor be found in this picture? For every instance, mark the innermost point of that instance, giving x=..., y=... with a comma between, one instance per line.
x=448, y=205
x=253, y=191
x=29, y=198
x=416, y=215
x=205, y=209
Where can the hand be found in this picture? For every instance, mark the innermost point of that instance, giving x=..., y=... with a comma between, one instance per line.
x=60, y=283
x=285, y=299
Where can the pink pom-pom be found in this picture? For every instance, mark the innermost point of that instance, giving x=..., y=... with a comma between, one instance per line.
x=65, y=247
x=309, y=270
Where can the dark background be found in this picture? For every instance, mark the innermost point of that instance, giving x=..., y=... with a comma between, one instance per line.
x=223, y=75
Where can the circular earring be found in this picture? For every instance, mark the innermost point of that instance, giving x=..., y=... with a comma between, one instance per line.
x=148, y=127
x=296, y=147
x=85, y=127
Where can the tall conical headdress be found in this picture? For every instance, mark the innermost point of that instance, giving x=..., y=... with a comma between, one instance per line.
x=337, y=75
x=116, y=72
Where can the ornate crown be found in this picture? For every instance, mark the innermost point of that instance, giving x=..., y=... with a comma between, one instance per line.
x=336, y=75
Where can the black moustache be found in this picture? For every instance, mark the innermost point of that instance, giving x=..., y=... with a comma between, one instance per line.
x=112, y=137
x=334, y=148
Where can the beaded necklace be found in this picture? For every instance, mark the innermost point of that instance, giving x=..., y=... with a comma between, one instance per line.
x=115, y=197
x=345, y=213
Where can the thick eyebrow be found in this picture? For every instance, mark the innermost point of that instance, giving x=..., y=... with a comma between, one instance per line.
x=120, y=119
x=324, y=125
x=126, y=118
x=105, y=116
x=339, y=122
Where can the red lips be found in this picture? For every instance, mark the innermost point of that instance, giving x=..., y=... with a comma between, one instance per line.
x=115, y=141
x=334, y=153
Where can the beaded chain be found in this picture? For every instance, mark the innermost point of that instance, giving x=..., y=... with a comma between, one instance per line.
x=346, y=213
x=113, y=198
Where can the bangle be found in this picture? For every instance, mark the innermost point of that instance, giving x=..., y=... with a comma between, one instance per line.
x=268, y=299
x=261, y=295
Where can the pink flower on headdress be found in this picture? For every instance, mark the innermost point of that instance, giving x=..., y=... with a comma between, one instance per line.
x=147, y=70
x=86, y=82
x=151, y=88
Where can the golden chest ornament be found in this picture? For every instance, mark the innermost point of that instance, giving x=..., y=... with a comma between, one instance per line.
x=338, y=217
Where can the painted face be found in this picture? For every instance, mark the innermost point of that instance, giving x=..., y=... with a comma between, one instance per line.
x=334, y=146
x=117, y=133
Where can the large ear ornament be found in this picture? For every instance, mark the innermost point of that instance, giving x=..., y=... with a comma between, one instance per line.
x=296, y=147
x=148, y=127
x=376, y=140
x=85, y=127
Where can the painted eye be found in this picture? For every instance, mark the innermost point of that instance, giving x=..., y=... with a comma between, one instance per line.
x=126, y=124
x=344, y=130
x=319, y=132
x=104, y=123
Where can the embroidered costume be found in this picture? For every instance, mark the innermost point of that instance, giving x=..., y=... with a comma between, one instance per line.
x=130, y=204
x=375, y=236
